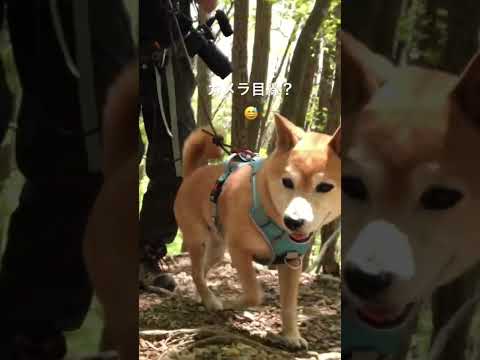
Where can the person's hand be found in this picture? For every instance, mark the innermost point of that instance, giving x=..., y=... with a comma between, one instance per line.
x=208, y=5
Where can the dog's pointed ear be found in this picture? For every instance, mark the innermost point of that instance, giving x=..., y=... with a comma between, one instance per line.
x=336, y=141
x=467, y=91
x=288, y=135
x=363, y=72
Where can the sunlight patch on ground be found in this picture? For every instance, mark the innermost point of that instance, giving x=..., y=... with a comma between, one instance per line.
x=175, y=247
x=86, y=339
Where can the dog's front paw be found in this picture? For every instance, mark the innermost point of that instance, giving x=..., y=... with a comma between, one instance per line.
x=291, y=342
x=212, y=303
x=243, y=303
x=295, y=342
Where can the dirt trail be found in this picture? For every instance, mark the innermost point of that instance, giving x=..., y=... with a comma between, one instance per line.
x=181, y=328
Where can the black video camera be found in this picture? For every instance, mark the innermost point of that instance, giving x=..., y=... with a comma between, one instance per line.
x=201, y=42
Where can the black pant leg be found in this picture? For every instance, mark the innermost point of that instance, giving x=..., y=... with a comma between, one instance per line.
x=43, y=282
x=157, y=221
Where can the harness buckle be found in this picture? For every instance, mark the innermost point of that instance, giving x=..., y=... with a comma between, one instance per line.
x=246, y=155
x=217, y=189
x=291, y=257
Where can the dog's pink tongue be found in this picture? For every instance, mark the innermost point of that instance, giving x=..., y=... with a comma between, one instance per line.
x=379, y=316
x=299, y=237
x=375, y=316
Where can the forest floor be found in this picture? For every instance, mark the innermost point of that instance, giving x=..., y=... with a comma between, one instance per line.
x=178, y=327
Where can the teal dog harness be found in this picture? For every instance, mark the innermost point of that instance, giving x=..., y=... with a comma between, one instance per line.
x=283, y=248
x=359, y=337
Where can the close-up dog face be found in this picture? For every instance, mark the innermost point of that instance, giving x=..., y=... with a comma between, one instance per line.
x=305, y=179
x=409, y=182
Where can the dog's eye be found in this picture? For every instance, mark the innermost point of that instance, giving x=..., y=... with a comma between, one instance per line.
x=324, y=187
x=354, y=187
x=288, y=183
x=440, y=198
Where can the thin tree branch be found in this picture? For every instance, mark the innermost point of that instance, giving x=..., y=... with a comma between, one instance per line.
x=274, y=80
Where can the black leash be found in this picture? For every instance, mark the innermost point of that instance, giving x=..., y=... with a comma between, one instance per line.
x=219, y=141
x=242, y=153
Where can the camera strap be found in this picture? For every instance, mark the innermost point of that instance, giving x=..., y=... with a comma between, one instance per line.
x=166, y=66
x=172, y=105
x=84, y=74
x=88, y=99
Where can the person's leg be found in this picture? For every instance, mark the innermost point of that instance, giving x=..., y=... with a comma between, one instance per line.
x=44, y=286
x=6, y=102
x=157, y=221
x=6, y=98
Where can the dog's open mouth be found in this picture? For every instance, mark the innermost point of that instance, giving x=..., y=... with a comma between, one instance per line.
x=300, y=237
x=382, y=319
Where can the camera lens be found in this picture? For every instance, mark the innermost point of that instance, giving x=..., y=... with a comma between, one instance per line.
x=194, y=42
x=224, y=23
x=215, y=60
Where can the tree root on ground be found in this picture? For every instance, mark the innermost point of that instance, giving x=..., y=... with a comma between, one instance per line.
x=107, y=355
x=159, y=291
x=207, y=336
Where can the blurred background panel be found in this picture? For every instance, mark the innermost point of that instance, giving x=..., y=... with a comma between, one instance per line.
x=441, y=35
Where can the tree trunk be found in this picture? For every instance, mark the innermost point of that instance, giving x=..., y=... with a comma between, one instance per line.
x=363, y=19
x=306, y=257
x=325, y=87
x=263, y=126
x=240, y=72
x=335, y=105
x=204, y=102
x=463, y=34
x=312, y=69
x=298, y=65
x=261, y=52
x=329, y=263
x=298, y=68
x=446, y=301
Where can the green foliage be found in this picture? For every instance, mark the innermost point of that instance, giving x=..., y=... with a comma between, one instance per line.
x=86, y=339
x=143, y=180
x=331, y=24
x=317, y=117
x=301, y=9
x=425, y=31
x=407, y=22
x=175, y=247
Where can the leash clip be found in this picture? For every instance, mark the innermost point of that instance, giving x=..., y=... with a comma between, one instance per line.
x=293, y=256
x=246, y=155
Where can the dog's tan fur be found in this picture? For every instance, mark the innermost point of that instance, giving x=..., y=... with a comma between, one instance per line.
x=407, y=129
x=307, y=158
x=111, y=241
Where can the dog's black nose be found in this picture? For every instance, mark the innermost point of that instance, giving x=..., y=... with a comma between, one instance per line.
x=366, y=285
x=293, y=224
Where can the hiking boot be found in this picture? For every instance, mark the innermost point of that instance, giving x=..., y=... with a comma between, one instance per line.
x=151, y=275
x=33, y=347
x=165, y=281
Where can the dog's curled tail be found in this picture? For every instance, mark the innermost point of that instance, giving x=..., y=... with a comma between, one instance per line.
x=198, y=149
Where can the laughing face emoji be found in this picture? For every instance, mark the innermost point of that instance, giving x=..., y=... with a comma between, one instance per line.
x=250, y=113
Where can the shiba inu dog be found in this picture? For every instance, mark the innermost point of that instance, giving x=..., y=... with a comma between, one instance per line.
x=111, y=239
x=298, y=188
x=410, y=182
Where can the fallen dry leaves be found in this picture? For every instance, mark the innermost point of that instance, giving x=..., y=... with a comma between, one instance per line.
x=182, y=329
